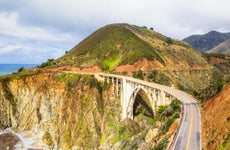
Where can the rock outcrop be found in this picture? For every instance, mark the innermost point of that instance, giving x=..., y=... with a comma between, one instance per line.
x=73, y=111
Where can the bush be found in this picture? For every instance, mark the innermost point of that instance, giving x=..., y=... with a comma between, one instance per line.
x=162, y=145
x=220, y=84
x=169, y=40
x=138, y=74
x=47, y=139
x=48, y=63
x=176, y=105
x=21, y=69
x=161, y=109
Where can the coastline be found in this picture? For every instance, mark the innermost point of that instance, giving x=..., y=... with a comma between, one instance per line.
x=10, y=68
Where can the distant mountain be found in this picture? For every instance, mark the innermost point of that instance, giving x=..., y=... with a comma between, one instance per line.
x=207, y=41
x=222, y=48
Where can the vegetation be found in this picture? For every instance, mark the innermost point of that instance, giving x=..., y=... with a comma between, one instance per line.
x=226, y=143
x=47, y=139
x=50, y=62
x=162, y=145
x=21, y=69
x=21, y=74
x=108, y=47
x=138, y=74
x=159, y=77
x=168, y=114
x=168, y=40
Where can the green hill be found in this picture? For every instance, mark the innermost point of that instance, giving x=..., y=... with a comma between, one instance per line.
x=120, y=44
x=223, y=48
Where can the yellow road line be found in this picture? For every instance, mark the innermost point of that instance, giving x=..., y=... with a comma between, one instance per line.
x=190, y=127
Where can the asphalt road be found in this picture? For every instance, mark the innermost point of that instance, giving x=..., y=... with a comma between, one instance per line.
x=189, y=136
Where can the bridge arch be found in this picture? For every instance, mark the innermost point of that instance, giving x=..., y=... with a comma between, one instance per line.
x=134, y=98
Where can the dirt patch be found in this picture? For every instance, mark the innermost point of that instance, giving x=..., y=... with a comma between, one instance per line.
x=93, y=69
x=216, y=119
x=140, y=65
x=215, y=60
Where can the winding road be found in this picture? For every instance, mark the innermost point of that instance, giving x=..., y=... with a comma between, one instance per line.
x=189, y=136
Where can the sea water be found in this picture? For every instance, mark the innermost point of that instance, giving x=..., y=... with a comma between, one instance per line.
x=10, y=68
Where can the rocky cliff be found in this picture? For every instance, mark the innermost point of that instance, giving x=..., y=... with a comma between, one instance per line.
x=73, y=111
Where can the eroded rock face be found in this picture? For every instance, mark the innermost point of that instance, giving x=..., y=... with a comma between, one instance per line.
x=66, y=109
x=71, y=111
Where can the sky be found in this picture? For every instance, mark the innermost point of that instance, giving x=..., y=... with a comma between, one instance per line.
x=33, y=31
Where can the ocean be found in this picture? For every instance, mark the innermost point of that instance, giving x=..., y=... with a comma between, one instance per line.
x=10, y=68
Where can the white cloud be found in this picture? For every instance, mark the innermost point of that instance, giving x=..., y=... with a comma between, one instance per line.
x=55, y=26
x=9, y=48
x=169, y=17
x=10, y=27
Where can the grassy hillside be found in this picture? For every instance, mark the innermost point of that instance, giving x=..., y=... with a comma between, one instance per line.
x=108, y=47
x=120, y=44
x=223, y=48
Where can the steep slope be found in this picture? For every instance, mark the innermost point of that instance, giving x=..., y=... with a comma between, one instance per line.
x=121, y=44
x=216, y=121
x=207, y=41
x=109, y=46
x=222, y=48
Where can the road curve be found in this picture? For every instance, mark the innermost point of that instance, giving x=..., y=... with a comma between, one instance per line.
x=189, y=135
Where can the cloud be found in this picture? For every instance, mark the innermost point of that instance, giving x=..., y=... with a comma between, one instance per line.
x=61, y=24
x=176, y=18
x=28, y=43
x=10, y=26
x=9, y=48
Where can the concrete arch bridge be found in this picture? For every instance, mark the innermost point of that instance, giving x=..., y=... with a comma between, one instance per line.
x=127, y=88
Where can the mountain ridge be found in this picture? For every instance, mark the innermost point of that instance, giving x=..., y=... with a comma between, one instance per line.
x=205, y=42
x=222, y=48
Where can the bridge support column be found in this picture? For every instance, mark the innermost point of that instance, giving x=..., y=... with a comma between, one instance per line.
x=113, y=84
x=124, y=103
x=163, y=97
x=159, y=98
x=117, y=87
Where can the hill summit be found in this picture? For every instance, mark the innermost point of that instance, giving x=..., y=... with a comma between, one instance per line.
x=122, y=44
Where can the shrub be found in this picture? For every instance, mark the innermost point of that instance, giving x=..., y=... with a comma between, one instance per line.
x=169, y=40
x=162, y=145
x=176, y=105
x=138, y=74
x=47, y=139
x=21, y=69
